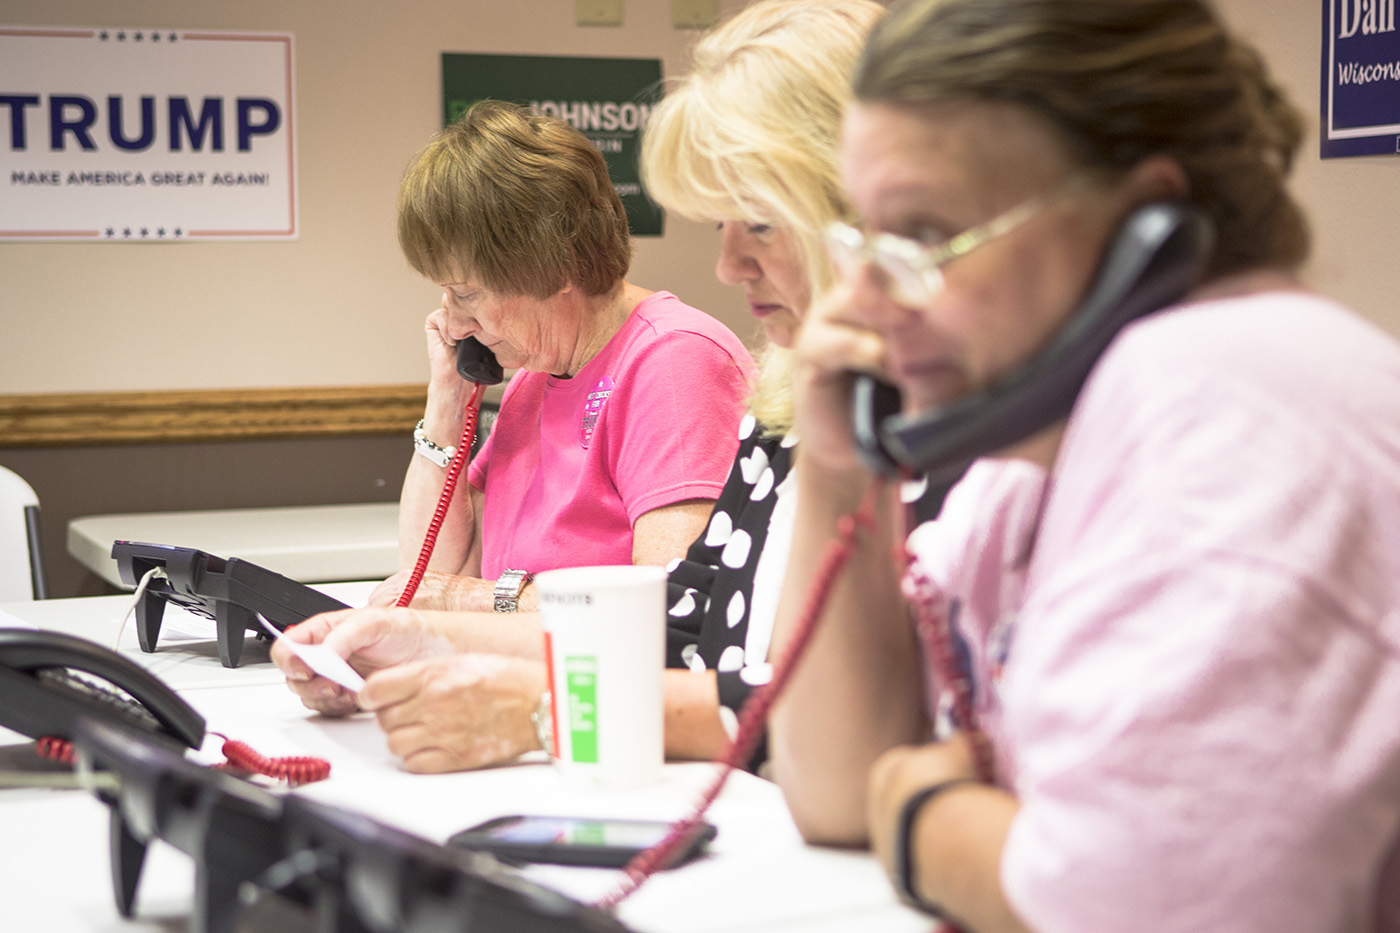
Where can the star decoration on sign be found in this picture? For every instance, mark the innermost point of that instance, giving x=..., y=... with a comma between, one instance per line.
x=155, y=36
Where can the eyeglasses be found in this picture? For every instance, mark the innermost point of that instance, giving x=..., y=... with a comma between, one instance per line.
x=914, y=272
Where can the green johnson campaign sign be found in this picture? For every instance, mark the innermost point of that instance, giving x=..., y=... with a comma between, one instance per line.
x=606, y=99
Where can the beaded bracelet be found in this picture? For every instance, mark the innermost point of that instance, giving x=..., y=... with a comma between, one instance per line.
x=903, y=860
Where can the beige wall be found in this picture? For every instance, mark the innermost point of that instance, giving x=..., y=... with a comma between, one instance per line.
x=339, y=306
x=1354, y=203
x=344, y=308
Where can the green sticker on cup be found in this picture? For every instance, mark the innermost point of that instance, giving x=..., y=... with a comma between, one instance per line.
x=581, y=672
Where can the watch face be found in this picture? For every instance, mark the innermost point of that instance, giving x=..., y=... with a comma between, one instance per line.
x=511, y=582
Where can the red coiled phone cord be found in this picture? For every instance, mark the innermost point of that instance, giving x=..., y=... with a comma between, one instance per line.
x=294, y=769
x=241, y=757
x=753, y=716
x=55, y=749
x=449, y=486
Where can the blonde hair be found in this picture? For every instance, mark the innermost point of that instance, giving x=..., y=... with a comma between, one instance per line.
x=752, y=133
x=1121, y=80
x=517, y=201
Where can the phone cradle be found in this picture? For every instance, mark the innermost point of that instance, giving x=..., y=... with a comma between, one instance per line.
x=232, y=593
x=354, y=874
x=232, y=622
x=230, y=828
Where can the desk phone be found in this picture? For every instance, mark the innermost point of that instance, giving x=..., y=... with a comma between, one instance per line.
x=231, y=593
x=49, y=680
x=350, y=872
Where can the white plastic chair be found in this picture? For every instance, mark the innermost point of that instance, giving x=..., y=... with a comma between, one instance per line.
x=21, y=558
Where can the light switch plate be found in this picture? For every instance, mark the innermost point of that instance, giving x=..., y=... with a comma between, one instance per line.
x=598, y=12
x=694, y=14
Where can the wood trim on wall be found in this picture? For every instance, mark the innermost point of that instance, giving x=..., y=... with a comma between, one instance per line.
x=97, y=418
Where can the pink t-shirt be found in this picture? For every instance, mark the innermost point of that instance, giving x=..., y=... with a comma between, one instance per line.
x=570, y=464
x=1194, y=681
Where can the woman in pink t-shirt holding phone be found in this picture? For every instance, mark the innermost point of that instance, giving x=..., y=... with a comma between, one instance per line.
x=615, y=434
x=746, y=142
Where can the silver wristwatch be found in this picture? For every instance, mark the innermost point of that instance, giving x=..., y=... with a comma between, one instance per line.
x=442, y=456
x=509, y=585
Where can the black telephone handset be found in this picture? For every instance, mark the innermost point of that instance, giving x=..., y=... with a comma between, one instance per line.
x=477, y=364
x=1157, y=255
x=43, y=691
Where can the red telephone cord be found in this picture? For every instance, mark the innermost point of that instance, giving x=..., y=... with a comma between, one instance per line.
x=241, y=757
x=304, y=769
x=294, y=769
x=449, y=486
x=754, y=713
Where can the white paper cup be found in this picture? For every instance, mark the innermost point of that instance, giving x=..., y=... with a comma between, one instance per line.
x=605, y=644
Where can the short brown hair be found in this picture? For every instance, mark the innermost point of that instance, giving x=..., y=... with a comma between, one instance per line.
x=1121, y=80
x=517, y=201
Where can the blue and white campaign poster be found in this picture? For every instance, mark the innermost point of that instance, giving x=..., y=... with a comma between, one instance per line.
x=1360, y=78
x=123, y=134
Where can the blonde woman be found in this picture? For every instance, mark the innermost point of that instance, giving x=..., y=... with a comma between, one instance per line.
x=748, y=140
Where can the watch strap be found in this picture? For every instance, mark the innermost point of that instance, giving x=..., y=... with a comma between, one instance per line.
x=903, y=868
x=509, y=585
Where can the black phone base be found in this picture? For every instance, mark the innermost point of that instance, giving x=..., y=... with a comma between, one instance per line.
x=228, y=844
x=232, y=593
x=231, y=621
x=350, y=873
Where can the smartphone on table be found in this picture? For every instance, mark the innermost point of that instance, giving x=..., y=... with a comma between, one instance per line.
x=571, y=840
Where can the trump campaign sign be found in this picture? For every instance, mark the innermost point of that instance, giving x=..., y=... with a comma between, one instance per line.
x=126, y=134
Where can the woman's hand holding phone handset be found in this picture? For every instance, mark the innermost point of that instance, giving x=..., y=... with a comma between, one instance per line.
x=442, y=349
x=447, y=392
x=831, y=346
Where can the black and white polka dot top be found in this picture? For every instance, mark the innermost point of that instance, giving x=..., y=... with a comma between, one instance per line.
x=711, y=592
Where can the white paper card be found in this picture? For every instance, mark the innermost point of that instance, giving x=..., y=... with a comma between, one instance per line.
x=320, y=659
